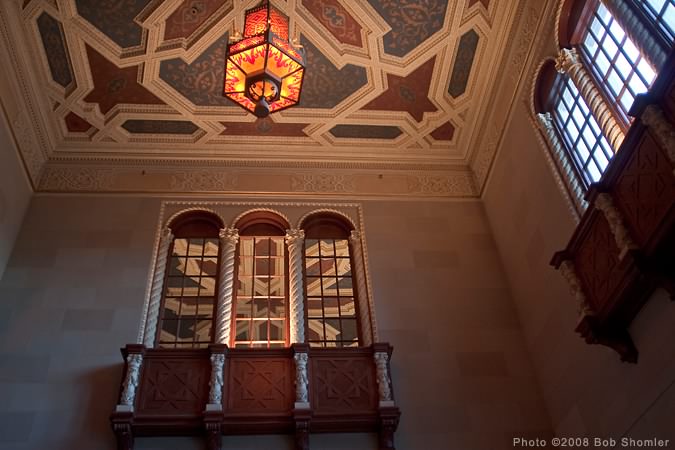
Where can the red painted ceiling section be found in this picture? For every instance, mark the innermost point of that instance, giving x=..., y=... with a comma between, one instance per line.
x=444, y=133
x=336, y=19
x=409, y=94
x=76, y=124
x=114, y=86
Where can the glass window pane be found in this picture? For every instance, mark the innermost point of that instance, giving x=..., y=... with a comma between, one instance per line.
x=341, y=247
x=328, y=267
x=311, y=247
x=347, y=307
x=623, y=66
x=314, y=308
x=177, y=266
x=171, y=307
x=209, y=267
x=208, y=287
x=196, y=247
x=327, y=247
x=262, y=246
x=313, y=267
x=315, y=329
x=261, y=287
x=189, y=307
x=615, y=83
x=277, y=308
x=203, y=332
x=631, y=50
x=245, y=287
x=262, y=266
x=313, y=287
x=344, y=267
x=186, y=329
x=277, y=287
x=180, y=247
x=244, y=308
x=193, y=267
x=277, y=247
x=260, y=310
x=211, y=247
x=333, y=331
x=646, y=71
x=174, y=286
x=243, y=332
x=206, y=307
x=349, y=330
x=277, y=330
x=345, y=286
x=331, y=307
x=329, y=286
x=246, y=246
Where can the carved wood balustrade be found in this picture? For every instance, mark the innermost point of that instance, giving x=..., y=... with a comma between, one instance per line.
x=198, y=392
x=624, y=245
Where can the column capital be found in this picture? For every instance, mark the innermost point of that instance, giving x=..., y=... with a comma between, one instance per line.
x=295, y=236
x=229, y=235
x=567, y=59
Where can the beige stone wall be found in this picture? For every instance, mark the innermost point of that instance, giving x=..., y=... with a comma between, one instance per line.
x=15, y=192
x=73, y=294
x=588, y=391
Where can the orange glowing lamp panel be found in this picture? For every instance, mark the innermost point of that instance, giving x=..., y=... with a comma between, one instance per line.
x=258, y=20
x=251, y=60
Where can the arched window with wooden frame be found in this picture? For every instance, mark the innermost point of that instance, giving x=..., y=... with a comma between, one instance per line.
x=260, y=305
x=332, y=307
x=186, y=318
x=609, y=53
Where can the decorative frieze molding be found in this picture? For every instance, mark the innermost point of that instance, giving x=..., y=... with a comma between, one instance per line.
x=216, y=382
x=131, y=381
x=150, y=331
x=569, y=272
x=229, y=237
x=323, y=182
x=76, y=179
x=204, y=181
x=295, y=239
x=624, y=242
x=663, y=130
x=568, y=62
x=460, y=185
x=361, y=287
x=383, y=379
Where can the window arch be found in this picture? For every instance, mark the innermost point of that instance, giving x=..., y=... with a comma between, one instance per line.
x=331, y=296
x=189, y=295
x=260, y=304
x=609, y=54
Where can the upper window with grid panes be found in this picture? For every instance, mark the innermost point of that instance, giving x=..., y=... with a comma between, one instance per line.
x=332, y=319
x=188, y=302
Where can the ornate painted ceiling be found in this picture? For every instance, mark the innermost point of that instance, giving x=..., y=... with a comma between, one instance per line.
x=126, y=96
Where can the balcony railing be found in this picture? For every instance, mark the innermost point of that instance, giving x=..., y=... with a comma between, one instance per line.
x=220, y=391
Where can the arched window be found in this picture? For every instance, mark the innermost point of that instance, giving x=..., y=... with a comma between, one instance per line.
x=188, y=301
x=331, y=297
x=610, y=52
x=260, y=309
x=621, y=68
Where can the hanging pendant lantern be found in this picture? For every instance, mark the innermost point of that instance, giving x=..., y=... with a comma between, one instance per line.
x=263, y=71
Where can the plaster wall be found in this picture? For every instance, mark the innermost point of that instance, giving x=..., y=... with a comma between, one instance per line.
x=588, y=391
x=15, y=192
x=73, y=294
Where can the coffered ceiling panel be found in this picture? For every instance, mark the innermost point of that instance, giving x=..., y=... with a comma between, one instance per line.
x=390, y=84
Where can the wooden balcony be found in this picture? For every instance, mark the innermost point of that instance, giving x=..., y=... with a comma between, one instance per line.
x=624, y=245
x=173, y=394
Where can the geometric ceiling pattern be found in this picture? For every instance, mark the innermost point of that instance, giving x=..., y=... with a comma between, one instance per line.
x=387, y=81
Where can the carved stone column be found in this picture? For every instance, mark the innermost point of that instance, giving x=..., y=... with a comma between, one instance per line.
x=638, y=31
x=359, y=275
x=229, y=237
x=134, y=359
x=663, y=130
x=570, y=274
x=295, y=240
x=301, y=412
x=216, y=382
x=624, y=242
x=563, y=161
x=383, y=379
x=568, y=62
x=150, y=331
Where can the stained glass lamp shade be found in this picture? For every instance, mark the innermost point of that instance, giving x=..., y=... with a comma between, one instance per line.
x=263, y=71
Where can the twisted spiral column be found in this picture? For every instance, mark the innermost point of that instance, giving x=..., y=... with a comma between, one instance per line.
x=229, y=237
x=638, y=32
x=295, y=239
x=359, y=273
x=568, y=62
x=131, y=381
x=150, y=331
x=564, y=163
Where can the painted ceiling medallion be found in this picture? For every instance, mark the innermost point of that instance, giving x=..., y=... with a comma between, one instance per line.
x=264, y=71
